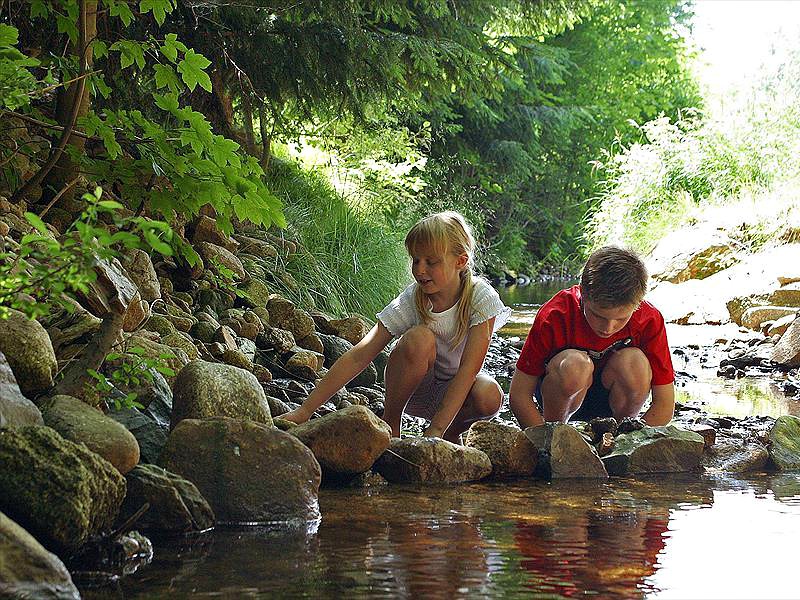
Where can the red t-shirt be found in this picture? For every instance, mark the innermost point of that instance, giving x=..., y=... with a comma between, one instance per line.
x=560, y=324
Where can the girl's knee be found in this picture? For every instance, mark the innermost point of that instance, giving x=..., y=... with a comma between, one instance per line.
x=486, y=396
x=417, y=339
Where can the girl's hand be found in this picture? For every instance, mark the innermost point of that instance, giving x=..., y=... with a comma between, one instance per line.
x=433, y=431
x=298, y=415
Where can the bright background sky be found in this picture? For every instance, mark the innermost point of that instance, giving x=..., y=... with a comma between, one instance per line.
x=737, y=37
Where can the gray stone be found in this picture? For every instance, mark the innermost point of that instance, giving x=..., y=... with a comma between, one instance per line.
x=60, y=491
x=176, y=505
x=784, y=440
x=215, y=256
x=139, y=269
x=205, y=389
x=80, y=423
x=346, y=441
x=666, y=449
x=27, y=570
x=735, y=454
x=248, y=472
x=29, y=352
x=431, y=460
x=564, y=450
x=787, y=350
x=150, y=435
x=510, y=451
x=15, y=409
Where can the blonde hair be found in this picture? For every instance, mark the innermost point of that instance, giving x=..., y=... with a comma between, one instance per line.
x=440, y=234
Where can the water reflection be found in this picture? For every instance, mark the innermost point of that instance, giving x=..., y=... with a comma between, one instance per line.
x=673, y=537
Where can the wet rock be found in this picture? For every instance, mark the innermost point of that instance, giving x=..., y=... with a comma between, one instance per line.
x=279, y=407
x=629, y=424
x=29, y=353
x=784, y=440
x=606, y=444
x=305, y=364
x=247, y=471
x=27, y=570
x=205, y=389
x=736, y=453
x=666, y=449
x=334, y=347
x=431, y=460
x=176, y=505
x=787, y=351
x=15, y=409
x=275, y=338
x=347, y=441
x=80, y=423
x=601, y=426
x=511, y=453
x=709, y=434
x=60, y=491
x=563, y=453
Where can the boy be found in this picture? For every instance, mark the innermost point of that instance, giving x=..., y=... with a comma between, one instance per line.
x=596, y=349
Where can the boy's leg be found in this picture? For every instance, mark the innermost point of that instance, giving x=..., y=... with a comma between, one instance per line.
x=483, y=401
x=564, y=386
x=627, y=377
x=408, y=363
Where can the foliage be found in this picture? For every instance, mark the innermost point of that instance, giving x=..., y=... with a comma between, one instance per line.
x=132, y=369
x=17, y=83
x=348, y=259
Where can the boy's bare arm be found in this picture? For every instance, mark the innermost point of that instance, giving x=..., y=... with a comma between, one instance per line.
x=523, y=387
x=662, y=406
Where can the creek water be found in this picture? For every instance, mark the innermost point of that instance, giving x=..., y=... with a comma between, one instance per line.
x=683, y=536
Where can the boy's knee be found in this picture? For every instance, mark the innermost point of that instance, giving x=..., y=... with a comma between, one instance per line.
x=628, y=367
x=573, y=368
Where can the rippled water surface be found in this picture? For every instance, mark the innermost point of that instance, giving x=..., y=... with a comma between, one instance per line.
x=675, y=537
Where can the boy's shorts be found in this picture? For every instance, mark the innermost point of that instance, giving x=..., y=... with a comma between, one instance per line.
x=595, y=404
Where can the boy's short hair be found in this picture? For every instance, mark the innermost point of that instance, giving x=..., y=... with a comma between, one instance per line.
x=614, y=277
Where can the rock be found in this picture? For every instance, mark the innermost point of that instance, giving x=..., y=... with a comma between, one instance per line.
x=80, y=423
x=666, y=449
x=176, y=358
x=138, y=311
x=346, y=441
x=683, y=255
x=150, y=434
x=305, y=364
x=735, y=454
x=257, y=247
x=279, y=308
x=60, y=491
x=248, y=472
x=205, y=230
x=787, y=350
x=205, y=389
x=176, y=505
x=279, y=339
x=180, y=342
x=312, y=342
x=70, y=331
x=784, y=440
x=139, y=268
x=511, y=453
x=30, y=354
x=787, y=295
x=299, y=322
x=27, y=570
x=160, y=324
x=15, y=409
x=602, y=425
x=431, y=460
x=334, y=348
x=709, y=434
x=111, y=292
x=780, y=326
x=353, y=329
x=753, y=317
x=216, y=256
x=563, y=452
x=606, y=444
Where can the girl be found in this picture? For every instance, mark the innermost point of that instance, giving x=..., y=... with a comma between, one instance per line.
x=444, y=320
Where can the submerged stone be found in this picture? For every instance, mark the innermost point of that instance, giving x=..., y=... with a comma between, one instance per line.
x=431, y=460
x=666, y=449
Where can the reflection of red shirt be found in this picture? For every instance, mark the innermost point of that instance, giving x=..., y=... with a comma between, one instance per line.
x=560, y=324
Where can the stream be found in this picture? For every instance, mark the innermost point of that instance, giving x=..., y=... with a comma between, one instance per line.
x=679, y=536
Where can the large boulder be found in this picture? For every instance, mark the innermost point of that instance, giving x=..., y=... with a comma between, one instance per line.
x=205, y=389
x=735, y=453
x=151, y=435
x=81, y=423
x=15, y=409
x=511, y=453
x=176, y=505
x=60, y=491
x=666, y=449
x=27, y=570
x=29, y=352
x=563, y=453
x=431, y=460
x=347, y=441
x=248, y=472
x=784, y=440
x=787, y=350
x=139, y=268
x=689, y=254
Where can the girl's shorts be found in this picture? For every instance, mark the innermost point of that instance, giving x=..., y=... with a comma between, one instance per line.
x=425, y=400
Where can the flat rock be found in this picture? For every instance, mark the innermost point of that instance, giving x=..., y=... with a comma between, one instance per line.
x=431, y=460
x=666, y=449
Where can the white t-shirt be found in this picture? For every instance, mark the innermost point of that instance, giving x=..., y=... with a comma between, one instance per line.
x=401, y=315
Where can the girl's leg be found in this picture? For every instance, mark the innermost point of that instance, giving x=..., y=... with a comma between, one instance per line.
x=410, y=359
x=483, y=401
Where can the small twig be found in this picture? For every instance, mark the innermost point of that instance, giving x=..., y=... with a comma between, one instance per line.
x=58, y=195
x=63, y=83
x=128, y=524
x=403, y=458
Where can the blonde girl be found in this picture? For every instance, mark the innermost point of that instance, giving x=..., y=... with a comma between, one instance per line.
x=444, y=321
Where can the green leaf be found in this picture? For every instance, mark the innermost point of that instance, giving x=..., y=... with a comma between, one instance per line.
x=166, y=77
x=160, y=8
x=130, y=52
x=122, y=10
x=36, y=222
x=166, y=102
x=192, y=70
x=9, y=36
x=137, y=350
x=39, y=9
x=111, y=204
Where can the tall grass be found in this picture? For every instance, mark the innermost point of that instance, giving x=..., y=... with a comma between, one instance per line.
x=348, y=260
x=740, y=169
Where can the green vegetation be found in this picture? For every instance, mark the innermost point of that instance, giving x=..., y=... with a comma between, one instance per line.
x=738, y=170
